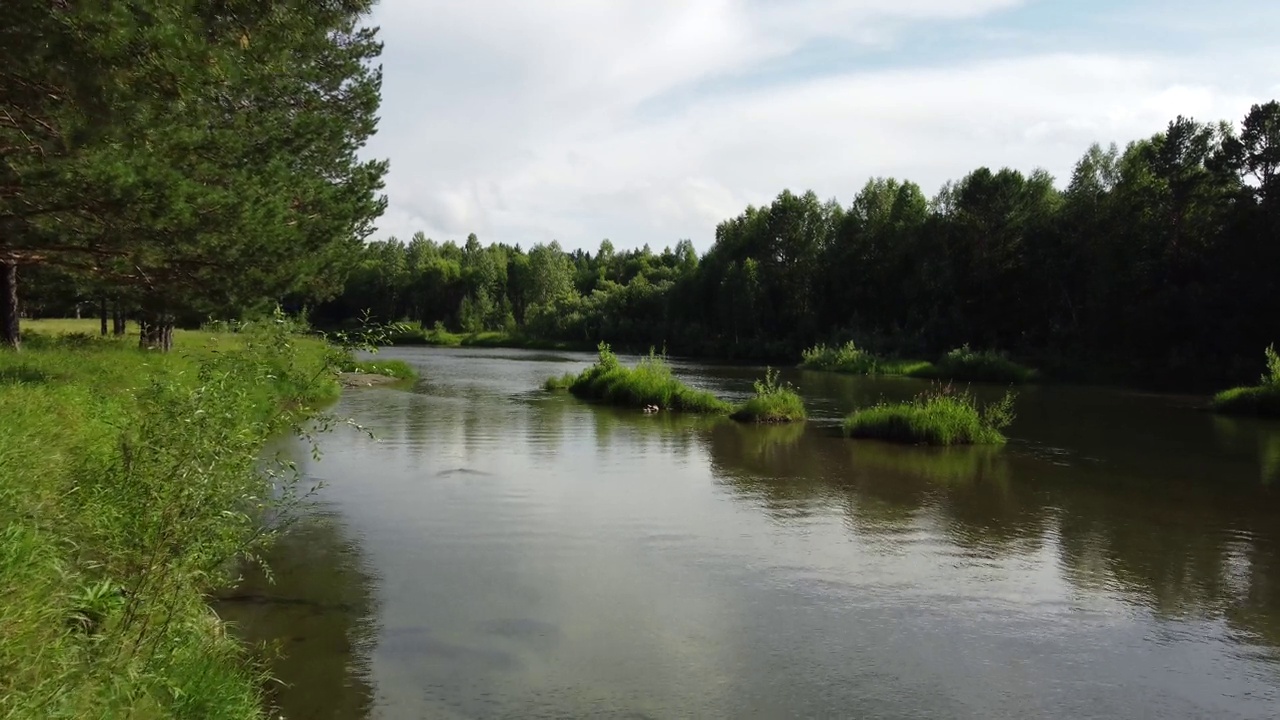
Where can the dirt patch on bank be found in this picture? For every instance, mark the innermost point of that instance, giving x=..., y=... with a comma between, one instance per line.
x=359, y=380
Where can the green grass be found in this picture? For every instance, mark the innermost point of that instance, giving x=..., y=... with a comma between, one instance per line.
x=130, y=484
x=490, y=339
x=390, y=368
x=847, y=358
x=965, y=365
x=961, y=364
x=1262, y=400
x=941, y=416
x=649, y=383
x=853, y=360
x=559, y=384
x=772, y=403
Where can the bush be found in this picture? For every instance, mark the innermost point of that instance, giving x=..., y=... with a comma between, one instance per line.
x=967, y=365
x=941, y=416
x=1262, y=400
x=650, y=383
x=773, y=402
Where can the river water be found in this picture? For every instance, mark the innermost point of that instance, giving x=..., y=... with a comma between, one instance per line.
x=501, y=552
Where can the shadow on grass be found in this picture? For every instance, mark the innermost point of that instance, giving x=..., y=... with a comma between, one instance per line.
x=23, y=375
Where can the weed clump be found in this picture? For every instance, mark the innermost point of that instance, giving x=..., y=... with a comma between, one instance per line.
x=559, y=384
x=966, y=365
x=941, y=416
x=649, y=384
x=773, y=402
x=850, y=359
x=847, y=358
x=1262, y=399
x=961, y=364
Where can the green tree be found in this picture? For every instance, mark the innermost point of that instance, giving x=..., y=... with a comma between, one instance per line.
x=206, y=159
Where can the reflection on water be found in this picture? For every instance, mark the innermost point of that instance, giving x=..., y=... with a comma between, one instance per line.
x=319, y=625
x=1245, y=434
x=537, y=557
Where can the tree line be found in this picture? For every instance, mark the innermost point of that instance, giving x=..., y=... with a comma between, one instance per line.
x=1158, y=261
x=171, y=160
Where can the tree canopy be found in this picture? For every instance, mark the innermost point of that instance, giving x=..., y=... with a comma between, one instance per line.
x=1156, y=260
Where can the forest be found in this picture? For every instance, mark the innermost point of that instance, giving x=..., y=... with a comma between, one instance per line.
x=1156, y=263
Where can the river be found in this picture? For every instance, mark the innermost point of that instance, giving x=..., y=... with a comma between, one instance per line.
x=501, y=552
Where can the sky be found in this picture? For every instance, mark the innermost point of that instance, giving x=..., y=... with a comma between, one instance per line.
x=651, y=121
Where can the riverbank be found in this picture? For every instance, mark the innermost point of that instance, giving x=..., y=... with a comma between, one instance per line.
x=488, y=339
x=961, y=364
x=130, y=483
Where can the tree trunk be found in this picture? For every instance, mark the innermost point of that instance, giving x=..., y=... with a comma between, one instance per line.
x=156, y=331
x=118, y=327
x=102, y=317
x=9, y=328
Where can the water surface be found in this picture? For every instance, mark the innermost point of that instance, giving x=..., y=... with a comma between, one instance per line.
x=502, y=552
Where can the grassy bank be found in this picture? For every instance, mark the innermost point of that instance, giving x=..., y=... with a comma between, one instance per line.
x=1262, y=399
x=942, y=416
x=772, y=403
x=398, y=369
x=493, y=339
x=649, y=384
x=130, y=484
x=961, y=364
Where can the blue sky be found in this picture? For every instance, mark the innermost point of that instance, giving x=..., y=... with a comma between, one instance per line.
x=648, y=121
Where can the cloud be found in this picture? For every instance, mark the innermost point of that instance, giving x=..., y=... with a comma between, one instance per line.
x=650, y=121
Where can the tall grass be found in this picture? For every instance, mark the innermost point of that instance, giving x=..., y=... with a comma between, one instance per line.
x=559, y=384
x=130, y=484
x=966, y=365
x=961, y=364
x=391, y=368
x=1262, y=399
x=941, y=416
x=847, y=358
x=649, y=383
x=773, y=402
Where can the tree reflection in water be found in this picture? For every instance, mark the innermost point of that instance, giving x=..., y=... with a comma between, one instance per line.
x=1180, y=548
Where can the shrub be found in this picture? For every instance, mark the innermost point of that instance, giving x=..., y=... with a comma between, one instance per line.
x=966, y=365
x=941, y=416
x=773, y=402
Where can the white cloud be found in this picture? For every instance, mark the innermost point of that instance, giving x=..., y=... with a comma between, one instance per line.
x=531, y=121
